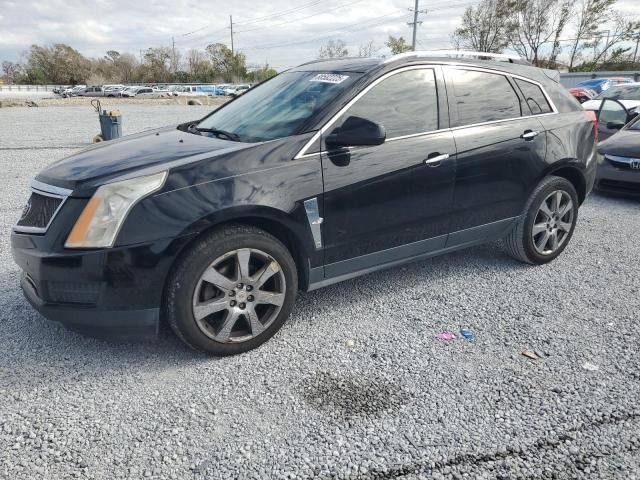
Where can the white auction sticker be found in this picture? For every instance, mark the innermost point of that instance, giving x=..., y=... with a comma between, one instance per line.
x=329, y=78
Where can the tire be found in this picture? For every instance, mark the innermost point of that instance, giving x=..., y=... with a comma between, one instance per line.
x=261, y=304
x=523, y=245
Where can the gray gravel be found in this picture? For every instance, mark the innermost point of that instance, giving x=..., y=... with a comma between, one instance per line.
x=355, y=385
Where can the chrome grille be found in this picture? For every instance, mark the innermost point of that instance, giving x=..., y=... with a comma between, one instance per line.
x=40, y=210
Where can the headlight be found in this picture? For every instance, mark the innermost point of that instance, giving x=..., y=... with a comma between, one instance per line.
x=101, y=219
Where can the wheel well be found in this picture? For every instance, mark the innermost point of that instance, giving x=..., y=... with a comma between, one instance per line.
x=576, y=178
x=278, y=230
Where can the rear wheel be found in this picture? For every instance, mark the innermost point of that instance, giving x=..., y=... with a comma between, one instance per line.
x=547, y=223
x=232, y=291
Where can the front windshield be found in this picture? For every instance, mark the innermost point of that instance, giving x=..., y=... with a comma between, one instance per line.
x=279, y=107
x=621, y=92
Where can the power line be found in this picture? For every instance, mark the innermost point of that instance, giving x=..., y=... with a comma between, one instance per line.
x=281, y=13
x=301, y=18
x=345, y=29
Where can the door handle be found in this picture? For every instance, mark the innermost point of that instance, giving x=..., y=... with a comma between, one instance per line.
x=529, y=135
x=434, y=161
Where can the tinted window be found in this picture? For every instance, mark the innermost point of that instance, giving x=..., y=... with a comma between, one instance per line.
x=405, y=103
x=535, y=98
x=483, y=97
x=622, y=92
x=283, y=105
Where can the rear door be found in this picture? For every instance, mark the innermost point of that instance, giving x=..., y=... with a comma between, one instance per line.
x=501, y=149
x=392, y=201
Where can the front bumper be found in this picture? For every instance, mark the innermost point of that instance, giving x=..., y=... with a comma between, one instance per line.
x=114, y=294
x=615, y=180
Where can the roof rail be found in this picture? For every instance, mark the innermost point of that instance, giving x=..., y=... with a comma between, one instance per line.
x=459, y=54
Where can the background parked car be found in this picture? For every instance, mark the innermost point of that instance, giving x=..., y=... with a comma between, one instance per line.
x=129, y=91
x=619, y=170
x=599, y=85
x=583, y=94
x=93, y=91
x=236, y=89
x=113, y=91
x=627, y=103
x=73, y=91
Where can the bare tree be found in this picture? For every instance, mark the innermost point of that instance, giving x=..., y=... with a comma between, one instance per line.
x=589, y=15
x=367, y=49
x=197, y=63
x=535, y=23
x=485, y=28
x=620, y=30
x=333, y=49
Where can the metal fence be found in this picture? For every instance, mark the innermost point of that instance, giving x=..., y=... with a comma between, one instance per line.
x=26, y=88
x=571, y=79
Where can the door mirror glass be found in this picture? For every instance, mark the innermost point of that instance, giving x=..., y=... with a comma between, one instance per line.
x=355, y=132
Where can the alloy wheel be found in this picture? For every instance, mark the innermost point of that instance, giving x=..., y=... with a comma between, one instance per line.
x=239, y=295
x=553, y=222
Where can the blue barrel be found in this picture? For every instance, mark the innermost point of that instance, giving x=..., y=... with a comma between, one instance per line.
x=110, y=124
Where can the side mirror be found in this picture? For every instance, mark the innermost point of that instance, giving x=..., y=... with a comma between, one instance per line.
x=355, y=132
x=614, y=125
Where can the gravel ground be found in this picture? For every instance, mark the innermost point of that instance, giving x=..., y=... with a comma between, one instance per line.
x=355, y=385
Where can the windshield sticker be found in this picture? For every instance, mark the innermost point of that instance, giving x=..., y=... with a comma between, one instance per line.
x=329, y=78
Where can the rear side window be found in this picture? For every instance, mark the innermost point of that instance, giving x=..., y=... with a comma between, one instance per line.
x=480, y=97
x=535, y=98
x=405, y=103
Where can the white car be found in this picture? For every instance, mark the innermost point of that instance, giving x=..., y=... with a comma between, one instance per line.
x=73, y=91
x=236, y=89
x=138, y=92
x=622, y=105
x=627, y=94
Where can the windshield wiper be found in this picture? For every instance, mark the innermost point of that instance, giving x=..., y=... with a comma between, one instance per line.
x=220, y=133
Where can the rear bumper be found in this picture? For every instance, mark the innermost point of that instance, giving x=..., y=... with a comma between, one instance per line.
x=617, y=181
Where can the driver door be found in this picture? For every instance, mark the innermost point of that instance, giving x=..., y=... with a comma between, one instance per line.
x=612, y=116
x=389, y=202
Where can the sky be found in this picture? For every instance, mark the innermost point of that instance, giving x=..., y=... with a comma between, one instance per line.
x=281, y=33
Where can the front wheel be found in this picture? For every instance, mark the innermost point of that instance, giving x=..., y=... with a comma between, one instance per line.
x=231, y=291
x=547, y=223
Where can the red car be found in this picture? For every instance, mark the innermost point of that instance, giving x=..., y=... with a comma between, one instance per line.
x=582, y=94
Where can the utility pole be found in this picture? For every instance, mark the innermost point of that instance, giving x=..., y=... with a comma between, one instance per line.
x=415, y=22
x=231, y=27
x=173, y=58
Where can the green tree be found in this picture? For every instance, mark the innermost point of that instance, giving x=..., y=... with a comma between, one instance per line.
x=58, y=64
x=227, y=65
x=589, y=16
x=261, y=74
x=397, y=45
x=485, y=28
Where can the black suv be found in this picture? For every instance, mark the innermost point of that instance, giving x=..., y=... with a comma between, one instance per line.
x=325, y=172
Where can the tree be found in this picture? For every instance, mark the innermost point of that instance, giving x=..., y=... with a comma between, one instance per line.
x=58, y=64
x=397, y=45
x=589, y=15
x=485, y=28
x=535, y=23
x=261, y=74
x=226, y=64
x=621, y=29
x=334, y=49
x=12, y=71
x=197, y=65
x=367, y=49
x=156, y=66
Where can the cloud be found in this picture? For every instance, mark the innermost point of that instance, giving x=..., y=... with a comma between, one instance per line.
x=279, y=32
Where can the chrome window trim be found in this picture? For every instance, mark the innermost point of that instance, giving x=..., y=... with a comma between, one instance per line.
x=46, y=191
x=303, y=151
x=332, y=120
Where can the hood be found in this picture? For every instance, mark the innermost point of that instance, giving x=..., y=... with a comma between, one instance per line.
x=108, y=160
x=625, y=143
x=595, y=104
